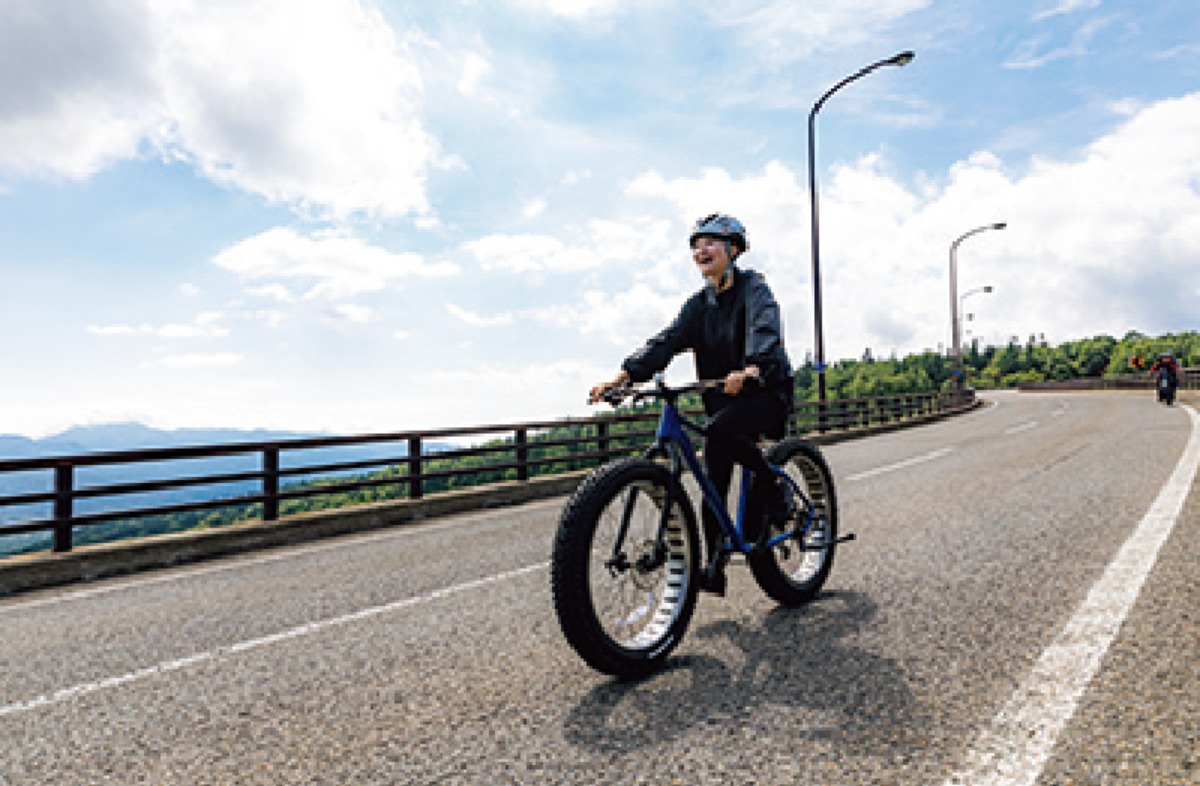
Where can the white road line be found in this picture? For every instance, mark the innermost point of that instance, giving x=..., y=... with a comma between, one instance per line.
x=243, y=646
x=183, y=572
x=1022, y=427
x=1014, y=750
x=900, y=464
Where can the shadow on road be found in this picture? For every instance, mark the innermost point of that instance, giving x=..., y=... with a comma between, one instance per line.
x=796, y=659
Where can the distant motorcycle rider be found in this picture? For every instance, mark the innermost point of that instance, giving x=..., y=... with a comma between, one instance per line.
x=1166, y=371
x=1165, y=363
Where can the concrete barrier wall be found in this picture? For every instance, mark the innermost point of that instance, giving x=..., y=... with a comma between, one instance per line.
x=89, y=563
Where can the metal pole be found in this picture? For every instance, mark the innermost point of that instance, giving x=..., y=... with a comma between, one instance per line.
x=963, y=316
x=818, y=334
x=955, y=339
x=64, y=495
x=270, y=484
x=414, y=468
x=904, y=58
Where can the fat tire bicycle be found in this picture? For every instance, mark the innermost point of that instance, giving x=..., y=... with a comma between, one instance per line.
x=626, y=561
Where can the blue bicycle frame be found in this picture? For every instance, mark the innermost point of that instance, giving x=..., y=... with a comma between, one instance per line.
x=671, y=439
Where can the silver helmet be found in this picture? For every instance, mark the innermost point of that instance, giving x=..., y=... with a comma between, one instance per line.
x=721, y=226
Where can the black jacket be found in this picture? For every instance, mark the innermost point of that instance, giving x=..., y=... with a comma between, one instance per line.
x=725, y=331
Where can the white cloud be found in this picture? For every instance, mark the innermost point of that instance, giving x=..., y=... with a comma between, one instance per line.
x=273, y=292
x=76, y=91
x=515, y=392
x=269, y=317
x=1176, y=52
x=478, y=320
x=352, y=313
x=627, y=318
x=1126, y=107
x=1065, y=7
x=475, y=69
x=600, y=243
x=534, y=208
x=199, y=360
x=332, y=266
x=784, y=32
x=523, y=253
x=204, y=326
x=577, y=10
x=1030, y=55
x=314, y=103
x=772, y=204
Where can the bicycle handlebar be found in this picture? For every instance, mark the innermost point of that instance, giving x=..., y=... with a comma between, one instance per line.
x=658, y=389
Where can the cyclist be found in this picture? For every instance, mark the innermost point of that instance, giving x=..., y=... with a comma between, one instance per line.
x=732, y=327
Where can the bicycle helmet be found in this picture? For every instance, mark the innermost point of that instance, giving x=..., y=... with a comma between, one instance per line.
x=721, y=226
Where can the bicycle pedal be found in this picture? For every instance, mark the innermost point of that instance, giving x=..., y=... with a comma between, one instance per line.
x=826, y=544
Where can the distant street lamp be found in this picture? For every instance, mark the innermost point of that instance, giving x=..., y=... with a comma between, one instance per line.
x=901, y=59
x=955, y=326
x=964, y=316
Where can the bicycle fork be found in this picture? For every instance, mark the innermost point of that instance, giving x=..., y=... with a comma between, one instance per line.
x=618, y=561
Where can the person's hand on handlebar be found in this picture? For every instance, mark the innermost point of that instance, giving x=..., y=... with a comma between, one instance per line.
x=596, y=394
x=736, y=380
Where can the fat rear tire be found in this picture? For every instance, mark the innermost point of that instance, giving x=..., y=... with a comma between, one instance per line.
x=787, y=573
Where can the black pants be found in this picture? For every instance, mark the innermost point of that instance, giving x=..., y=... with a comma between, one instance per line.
x=732, y=438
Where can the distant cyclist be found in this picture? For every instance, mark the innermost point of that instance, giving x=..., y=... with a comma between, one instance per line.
x=733, y=328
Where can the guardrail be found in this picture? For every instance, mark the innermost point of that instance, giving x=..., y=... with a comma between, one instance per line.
x=420, y=463
x=1189, y=379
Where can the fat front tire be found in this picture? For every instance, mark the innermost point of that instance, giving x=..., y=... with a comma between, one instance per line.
x=624, y=608
x=793, y=571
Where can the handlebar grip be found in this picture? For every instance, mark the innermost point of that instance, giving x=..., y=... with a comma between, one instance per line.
x=614, y=397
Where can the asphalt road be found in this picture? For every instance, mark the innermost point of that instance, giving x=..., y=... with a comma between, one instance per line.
x=974, y=629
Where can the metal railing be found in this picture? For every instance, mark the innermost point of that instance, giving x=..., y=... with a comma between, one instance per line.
x=1189, y=379
x=410, y=464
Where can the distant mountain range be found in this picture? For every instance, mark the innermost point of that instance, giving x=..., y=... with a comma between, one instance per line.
x=135, y=436
x=129, y=436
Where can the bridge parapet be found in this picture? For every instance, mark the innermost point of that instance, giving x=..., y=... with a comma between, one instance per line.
x=524, y=462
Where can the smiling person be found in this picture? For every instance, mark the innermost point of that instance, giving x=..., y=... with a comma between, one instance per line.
x=733, y=328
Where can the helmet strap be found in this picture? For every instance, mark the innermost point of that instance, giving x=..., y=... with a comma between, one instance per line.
x=720, y=284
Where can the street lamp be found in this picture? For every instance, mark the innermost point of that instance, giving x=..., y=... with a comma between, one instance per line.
x=901, y=59
x=963, y=315
x=956, y=350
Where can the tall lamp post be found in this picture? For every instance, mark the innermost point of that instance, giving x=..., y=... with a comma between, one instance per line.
x=955, y=326
x=901, y=59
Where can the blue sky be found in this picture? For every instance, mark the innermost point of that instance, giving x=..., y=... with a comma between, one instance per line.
x=364, y=215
